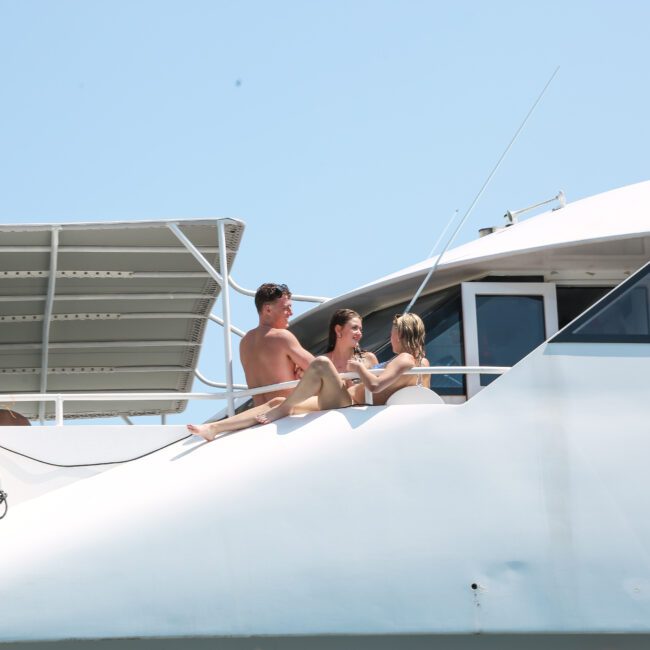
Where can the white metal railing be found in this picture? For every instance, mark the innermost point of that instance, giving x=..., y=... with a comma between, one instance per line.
x=235, y=330
x=294, y=296
x=59, y=399
x=216, y=384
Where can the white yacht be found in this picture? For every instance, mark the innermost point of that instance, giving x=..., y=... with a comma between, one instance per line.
x=510, y=511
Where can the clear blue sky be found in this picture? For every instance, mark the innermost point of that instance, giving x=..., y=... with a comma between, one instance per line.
x=344, y=133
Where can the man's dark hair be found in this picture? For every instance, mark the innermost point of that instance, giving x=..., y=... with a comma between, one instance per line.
x=269, y=292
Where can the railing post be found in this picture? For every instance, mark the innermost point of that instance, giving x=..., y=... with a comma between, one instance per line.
x=58, y=410
x=225, y=298
x=222, y=280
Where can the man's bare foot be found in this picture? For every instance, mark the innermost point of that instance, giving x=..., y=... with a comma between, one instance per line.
x=205, y=431
x=273, y=414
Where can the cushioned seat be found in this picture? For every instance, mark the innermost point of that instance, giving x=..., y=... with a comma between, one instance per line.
x=414, y=395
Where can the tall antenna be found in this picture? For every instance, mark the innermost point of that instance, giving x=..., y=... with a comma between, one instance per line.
x=480, y=193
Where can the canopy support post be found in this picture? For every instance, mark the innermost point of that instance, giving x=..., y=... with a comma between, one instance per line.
x=222, y=280
x=225, y=302
x=47, y=314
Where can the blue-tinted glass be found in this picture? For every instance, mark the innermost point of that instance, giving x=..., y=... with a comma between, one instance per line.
x=509, y=327
x=444, y=346
x=626, y=315
x=623, y=316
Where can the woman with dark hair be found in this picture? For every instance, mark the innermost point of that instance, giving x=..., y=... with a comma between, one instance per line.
x=344, y=334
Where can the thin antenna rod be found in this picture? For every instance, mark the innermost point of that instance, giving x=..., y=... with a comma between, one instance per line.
x=443, y=233
x=483, y=188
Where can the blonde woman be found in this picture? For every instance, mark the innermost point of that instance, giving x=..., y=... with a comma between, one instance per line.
x=322, y=380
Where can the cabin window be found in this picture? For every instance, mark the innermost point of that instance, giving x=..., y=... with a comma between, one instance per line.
x=573, y=301
x=623, y=316
x=509, y=327
x=444, y=344
x=503, y=322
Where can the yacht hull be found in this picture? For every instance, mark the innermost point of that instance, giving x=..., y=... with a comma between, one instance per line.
x=522, y=513
x=360, y=642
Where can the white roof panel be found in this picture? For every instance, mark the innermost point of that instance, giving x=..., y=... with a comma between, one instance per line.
x=617, y=214
x=129, y=309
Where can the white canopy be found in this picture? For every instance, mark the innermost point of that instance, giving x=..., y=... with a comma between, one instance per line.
x=106, y=307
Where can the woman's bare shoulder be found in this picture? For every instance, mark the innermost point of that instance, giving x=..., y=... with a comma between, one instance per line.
x=403, y=359
x=369, y=359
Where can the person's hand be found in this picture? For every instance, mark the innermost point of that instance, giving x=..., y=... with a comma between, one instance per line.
x=353, y=365
x=298, y=372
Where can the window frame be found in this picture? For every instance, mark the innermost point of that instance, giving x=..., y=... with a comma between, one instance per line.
x=469, y=292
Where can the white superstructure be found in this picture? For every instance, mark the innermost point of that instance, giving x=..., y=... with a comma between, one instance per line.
x=517, y=508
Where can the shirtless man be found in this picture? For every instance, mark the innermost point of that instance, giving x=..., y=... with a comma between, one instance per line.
x=269, y=353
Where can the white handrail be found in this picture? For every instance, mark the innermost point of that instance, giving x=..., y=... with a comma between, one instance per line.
x=426, y=370
x=60, y=398
x=235, y=330
x=294, y=296
x=216, y=384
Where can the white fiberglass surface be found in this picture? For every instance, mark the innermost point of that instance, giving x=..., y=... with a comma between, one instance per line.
x=374, y=520
x=617, y=214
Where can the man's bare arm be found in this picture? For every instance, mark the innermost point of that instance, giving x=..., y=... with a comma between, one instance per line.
x=298, y=355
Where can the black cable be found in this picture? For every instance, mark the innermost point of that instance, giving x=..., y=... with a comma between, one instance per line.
x=108, y=462
x=3, y=499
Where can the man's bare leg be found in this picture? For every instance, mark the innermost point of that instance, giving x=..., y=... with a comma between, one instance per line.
x=320, y=379
x=243, y=420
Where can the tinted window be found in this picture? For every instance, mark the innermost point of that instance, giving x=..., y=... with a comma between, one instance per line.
x=623, y=316
x=444, y=345
x=509, y=327
x=573, y=301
